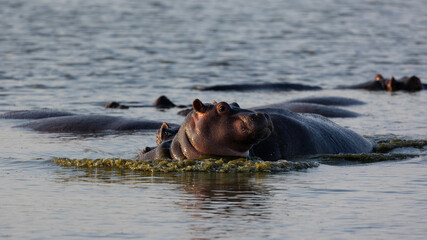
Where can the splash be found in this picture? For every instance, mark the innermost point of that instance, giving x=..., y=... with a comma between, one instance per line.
x=240, y=165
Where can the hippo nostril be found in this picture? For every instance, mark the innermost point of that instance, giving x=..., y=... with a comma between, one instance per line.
x=257, y=116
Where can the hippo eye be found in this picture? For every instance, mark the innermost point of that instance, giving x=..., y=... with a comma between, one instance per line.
x=222, y=108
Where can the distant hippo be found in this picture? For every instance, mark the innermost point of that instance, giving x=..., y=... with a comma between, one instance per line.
x=411, y=84
x=318, y=105
x=300, y=107
x=328, y=101
x=89, y=123
x=160, y=102
x=220, y=129
x=57, y=121
x=259, y=86
x=34, y=114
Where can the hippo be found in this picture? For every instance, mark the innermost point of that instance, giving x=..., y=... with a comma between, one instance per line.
x=328, y=101
x=89, y=123
x=58, y=121
x=301, y=107
x=161, y=102
x=48, y=120
x=116, y=105
x=226, y=130
x=318, y=105
x=410, y=84
x=34, y=114
x=260, y=86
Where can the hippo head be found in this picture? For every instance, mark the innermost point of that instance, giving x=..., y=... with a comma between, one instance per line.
x=406, y=83
x=163, y=102
x=412, y=84
x=222, y=129
x=379, y=77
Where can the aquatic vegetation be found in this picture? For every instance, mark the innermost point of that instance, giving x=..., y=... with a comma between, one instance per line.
x=363, y=157
x=385, y=146
x=240, y=165
x=247, y=165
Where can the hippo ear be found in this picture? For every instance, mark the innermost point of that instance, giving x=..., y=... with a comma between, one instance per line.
x=160, y=134
x=235, y=104
x=392, y=85
x=379, y=77
x=214, y=102
x=198, y=106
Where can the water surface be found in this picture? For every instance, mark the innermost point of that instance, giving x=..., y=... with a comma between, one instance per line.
x=78, y=55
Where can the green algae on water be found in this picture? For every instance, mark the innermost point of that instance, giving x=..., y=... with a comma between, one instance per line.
x=240, y=165
x=385, y=146
x=365, y=157
x=243, y=165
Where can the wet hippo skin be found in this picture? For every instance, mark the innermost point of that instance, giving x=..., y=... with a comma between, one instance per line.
x=380, y=83
x=256, y=87
x=328, y=101
x=34, y=114
x=160, y=102
x=220, y=129
x=84, y=123
x=297, y=107
x=319, y=105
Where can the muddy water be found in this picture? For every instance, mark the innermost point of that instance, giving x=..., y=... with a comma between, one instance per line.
x=77, y=55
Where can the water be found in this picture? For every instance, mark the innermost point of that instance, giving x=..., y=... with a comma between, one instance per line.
x=77, y=55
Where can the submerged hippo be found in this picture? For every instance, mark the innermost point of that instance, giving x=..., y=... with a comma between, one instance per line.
x=328, y=101
x=57, y=121
x=301, y=107
x=260, y=86
x=89, y=123
x=319, y=105
x=34, y=114
x=220, y=129
x=160, y=102
x=380, y=83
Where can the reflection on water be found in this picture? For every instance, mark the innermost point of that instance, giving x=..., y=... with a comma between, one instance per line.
x=200, y=196
x=204, y=186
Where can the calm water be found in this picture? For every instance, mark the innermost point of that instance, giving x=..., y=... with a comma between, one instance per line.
x=78, y=55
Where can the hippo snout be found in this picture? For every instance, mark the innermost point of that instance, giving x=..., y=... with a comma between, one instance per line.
x=260, y=118
x=260, y=125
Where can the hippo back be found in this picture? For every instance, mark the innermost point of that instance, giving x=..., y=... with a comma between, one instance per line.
x=34, y=114
x=89, y=123
x=302, y=134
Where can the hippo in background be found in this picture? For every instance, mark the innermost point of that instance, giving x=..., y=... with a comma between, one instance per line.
x=319, y=105
x=161, y=102
x=60, y=121
x=244, y=87
x=410, y=84
x=380, y=83
x=34, y=114
x=47, y=120
x=222, y=129
x=89, y=124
